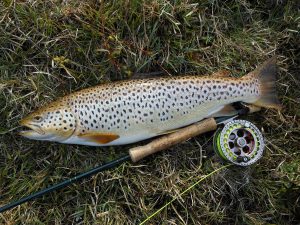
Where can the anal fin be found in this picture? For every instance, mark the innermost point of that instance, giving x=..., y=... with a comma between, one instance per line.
x=227, y=110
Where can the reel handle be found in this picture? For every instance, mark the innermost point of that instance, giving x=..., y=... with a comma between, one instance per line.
x=169, y=140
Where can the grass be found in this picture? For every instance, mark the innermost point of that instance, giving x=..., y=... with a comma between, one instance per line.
x=51, y=48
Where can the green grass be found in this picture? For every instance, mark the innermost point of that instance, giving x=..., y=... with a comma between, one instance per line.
x=51, y=48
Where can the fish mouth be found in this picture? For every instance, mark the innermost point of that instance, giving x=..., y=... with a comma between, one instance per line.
x=31, y=130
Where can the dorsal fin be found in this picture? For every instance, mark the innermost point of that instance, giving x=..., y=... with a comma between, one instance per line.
x=221, y=73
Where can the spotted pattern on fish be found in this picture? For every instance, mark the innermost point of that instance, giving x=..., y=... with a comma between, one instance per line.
x=128, y=111
x=130, y=105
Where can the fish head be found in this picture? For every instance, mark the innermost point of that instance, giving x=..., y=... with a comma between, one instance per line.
x=54, y=122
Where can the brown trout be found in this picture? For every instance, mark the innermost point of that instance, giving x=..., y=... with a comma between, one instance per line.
x=129, y=111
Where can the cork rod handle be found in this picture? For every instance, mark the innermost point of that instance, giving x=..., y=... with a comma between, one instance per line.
x=169, y=140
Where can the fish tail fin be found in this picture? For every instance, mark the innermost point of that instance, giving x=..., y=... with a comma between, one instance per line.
x=266, y=74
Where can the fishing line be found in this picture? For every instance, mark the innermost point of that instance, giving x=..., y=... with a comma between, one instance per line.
x=239, y=143
x=185, y=191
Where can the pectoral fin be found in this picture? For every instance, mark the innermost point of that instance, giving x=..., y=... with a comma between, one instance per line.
x=101, y=138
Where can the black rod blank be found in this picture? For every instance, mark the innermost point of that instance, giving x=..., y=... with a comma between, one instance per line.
x=66, y=183
x=89, y=173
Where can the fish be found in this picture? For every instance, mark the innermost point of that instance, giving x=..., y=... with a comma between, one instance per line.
x=128, y=111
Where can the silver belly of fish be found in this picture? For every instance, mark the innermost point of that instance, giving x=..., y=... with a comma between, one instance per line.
x=147, y=108
x=129, y=111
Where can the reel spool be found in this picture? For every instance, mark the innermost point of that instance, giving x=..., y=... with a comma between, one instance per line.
x=239, y=142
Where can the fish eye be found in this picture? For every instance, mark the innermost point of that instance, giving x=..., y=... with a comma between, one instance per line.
x=38, y=118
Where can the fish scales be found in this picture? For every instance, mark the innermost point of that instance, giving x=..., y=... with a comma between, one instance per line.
x=140, y=105
x=128, y=111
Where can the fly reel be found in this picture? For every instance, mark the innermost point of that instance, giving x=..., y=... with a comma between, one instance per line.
x=239, y=142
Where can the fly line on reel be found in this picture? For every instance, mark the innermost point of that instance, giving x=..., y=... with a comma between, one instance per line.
x=239, y=142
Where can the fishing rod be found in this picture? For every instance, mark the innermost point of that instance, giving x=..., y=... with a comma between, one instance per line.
x=239, y=142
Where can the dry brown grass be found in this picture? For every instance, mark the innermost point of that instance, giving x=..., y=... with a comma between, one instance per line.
x=51, y=48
